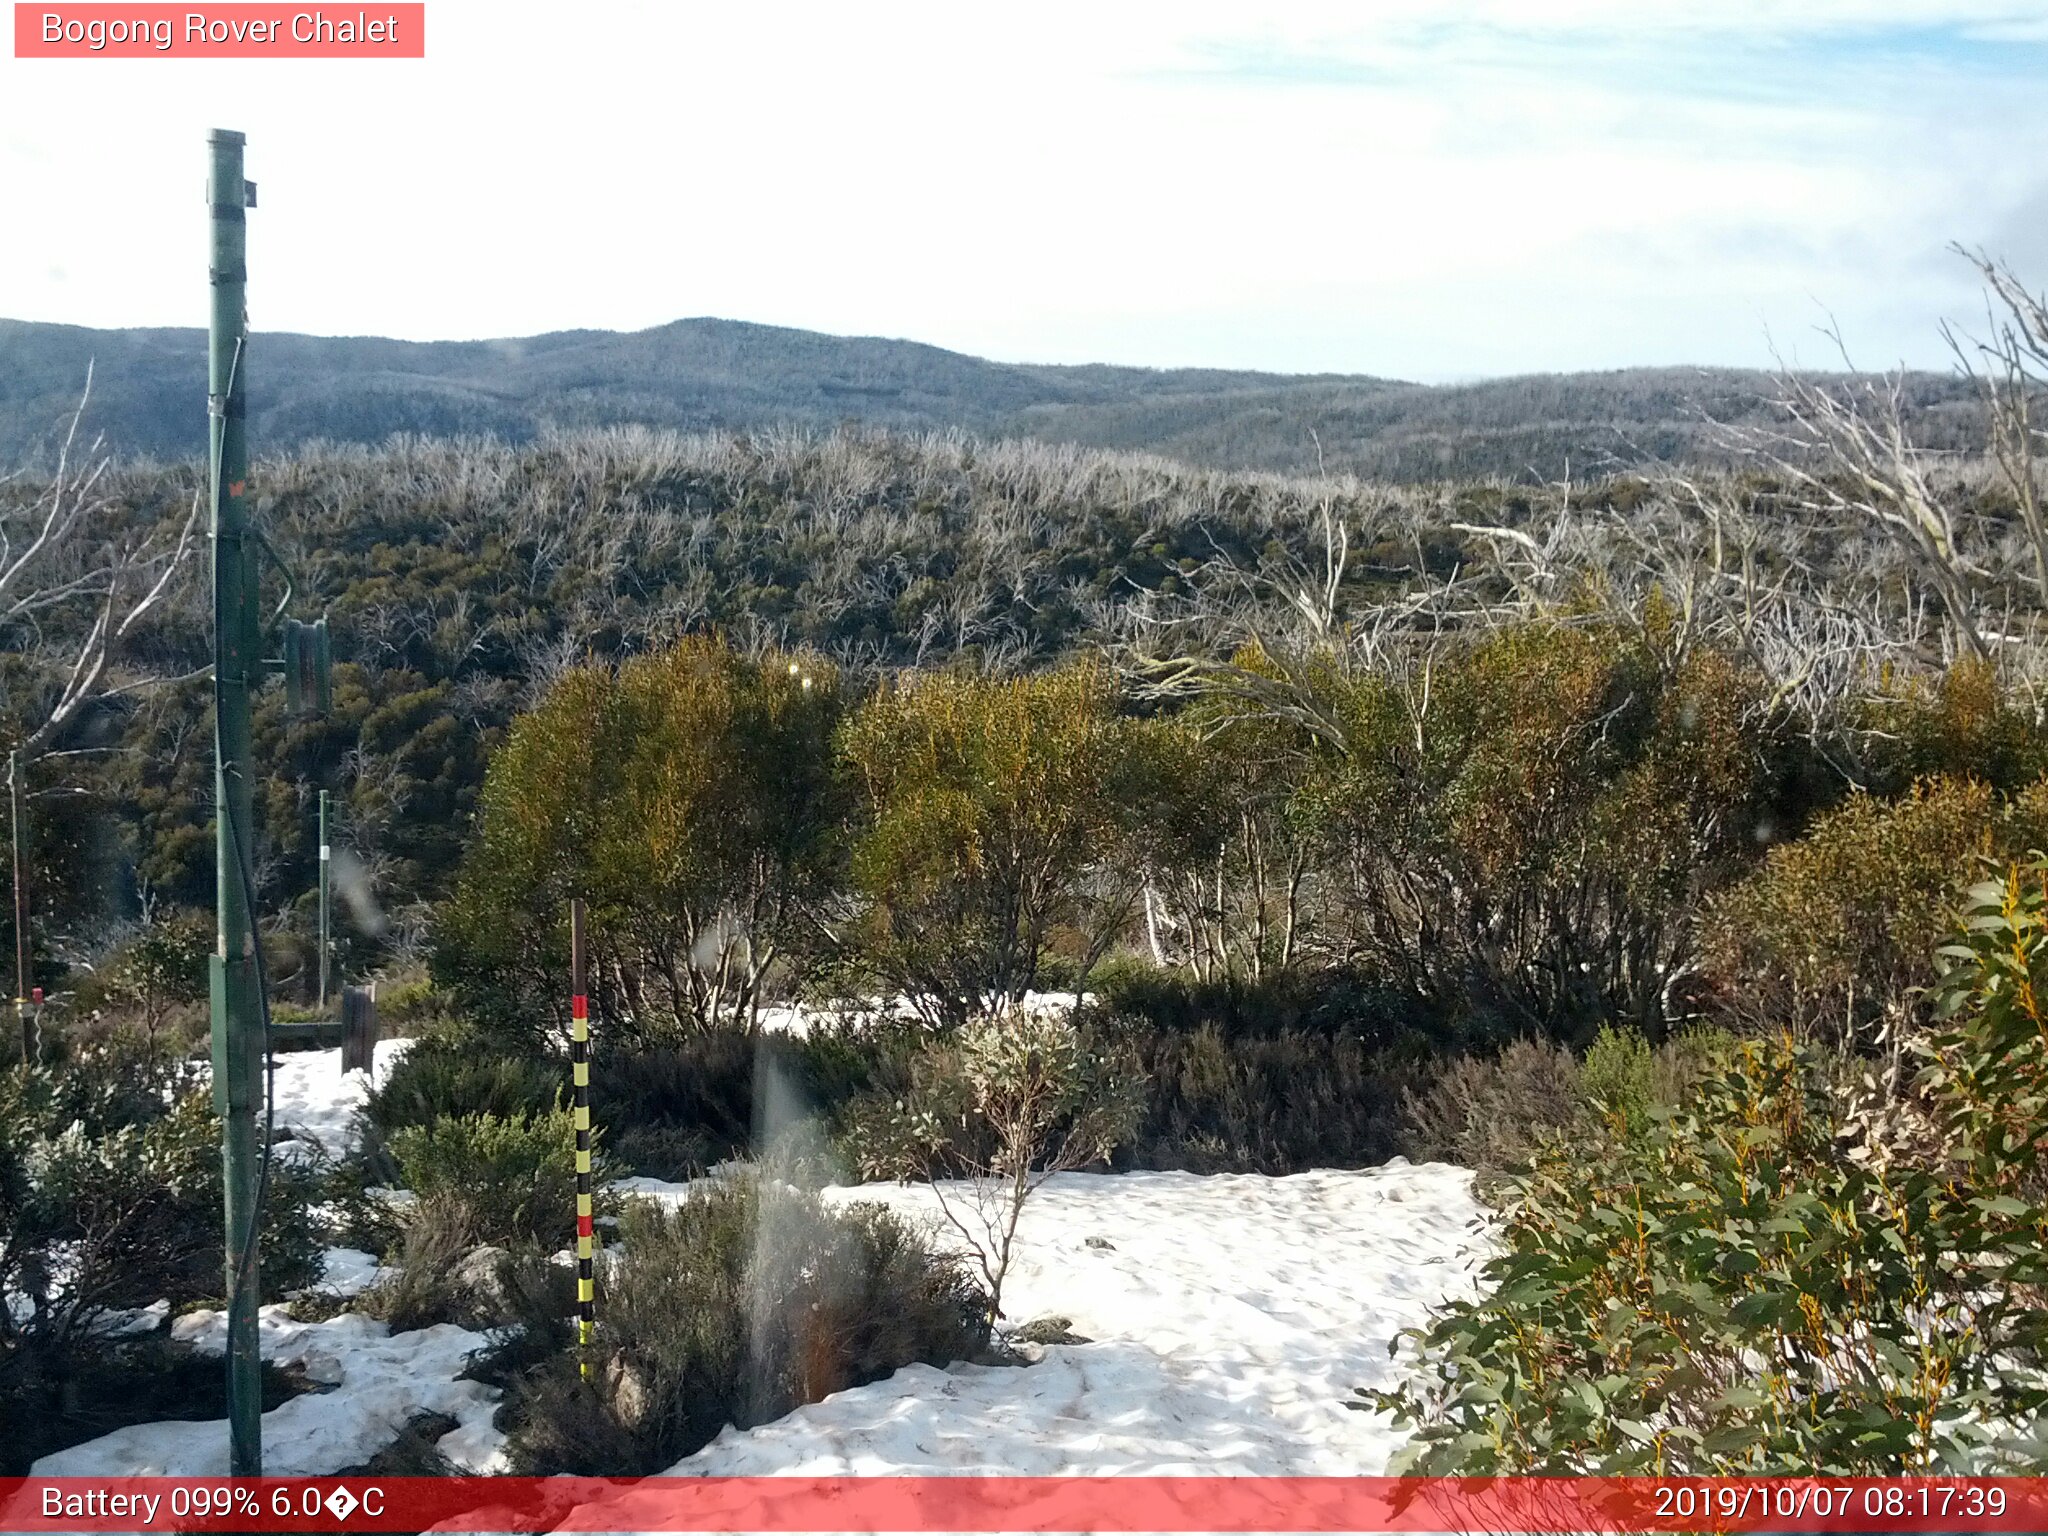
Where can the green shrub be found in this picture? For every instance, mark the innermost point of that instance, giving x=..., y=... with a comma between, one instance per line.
x=1618, y=1079
x=110, y=1198
x=1527, y=856
x=1727, y=1293
x=668, y=1110
x=689, y=786
x=1326, y=1000
x=123, y=1216
x=1965, y=723
x=515, y=1175
x=1988, y=1059
x=155, y=975
x=413, y=1005
x=109, y=1085
x=443, y=1078
x=732, y=1308
x=1834, y=936
x=1278, y=1104
x=50, y=1401
x=703, y=1083
x=1268, y=1079
x=1492, y=1113
x=991, y=811
x=672, y=1152
x=725, y=1093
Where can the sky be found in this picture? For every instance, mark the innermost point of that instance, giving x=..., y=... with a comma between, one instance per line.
x=1425, y=189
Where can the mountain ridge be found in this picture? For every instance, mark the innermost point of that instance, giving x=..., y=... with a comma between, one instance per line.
x=705, y=373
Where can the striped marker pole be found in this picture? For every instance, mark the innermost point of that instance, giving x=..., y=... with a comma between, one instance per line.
x=579, y=1068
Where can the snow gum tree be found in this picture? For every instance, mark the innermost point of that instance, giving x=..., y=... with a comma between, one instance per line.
x=993, y=813
x=1228, y=867
x=687, y=798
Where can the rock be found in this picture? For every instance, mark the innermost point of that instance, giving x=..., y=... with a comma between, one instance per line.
x=322, y=1369
x=1101, y=1242
x=479, y=1273
x=1047, y=1330
x=627, y=1388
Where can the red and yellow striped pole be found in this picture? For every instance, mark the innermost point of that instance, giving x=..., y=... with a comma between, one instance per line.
x=579, y=1069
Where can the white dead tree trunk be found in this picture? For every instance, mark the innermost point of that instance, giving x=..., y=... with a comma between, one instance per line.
x=2014, y=372
x=1847, y=452
x=75, y=583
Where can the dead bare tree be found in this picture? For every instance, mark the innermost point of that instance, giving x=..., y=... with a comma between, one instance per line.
x=2013, y=358
x=1846, y=450
x=75, y=583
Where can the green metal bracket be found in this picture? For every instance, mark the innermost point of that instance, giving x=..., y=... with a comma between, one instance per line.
x=308, y=668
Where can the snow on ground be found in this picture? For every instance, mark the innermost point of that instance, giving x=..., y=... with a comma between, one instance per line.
x=1231, y=1315
x=317, y=1100
x=801, y=1018
x=350, y=1272
x=381, y=1380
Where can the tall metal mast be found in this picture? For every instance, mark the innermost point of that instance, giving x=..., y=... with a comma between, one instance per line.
x=24, y=971
x=238, y=1042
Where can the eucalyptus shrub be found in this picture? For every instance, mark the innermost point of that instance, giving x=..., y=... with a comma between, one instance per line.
x=1990, y=1052
x=991, y=816
x=688, y=798
x=1834, y=935
x=1728, y=1293
x=1522, y=843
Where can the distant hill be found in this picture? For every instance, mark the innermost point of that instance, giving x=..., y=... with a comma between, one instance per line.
x=149, y=394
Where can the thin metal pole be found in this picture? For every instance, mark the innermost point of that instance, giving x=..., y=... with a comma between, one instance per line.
x=237, y=1007
x=579, y=1071
x=325, y=942
x=24, y=977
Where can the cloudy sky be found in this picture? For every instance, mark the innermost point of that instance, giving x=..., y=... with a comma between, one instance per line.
x=1432, y=189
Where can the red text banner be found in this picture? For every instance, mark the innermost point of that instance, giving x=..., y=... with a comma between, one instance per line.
x=991, y=1504
x=237, y=31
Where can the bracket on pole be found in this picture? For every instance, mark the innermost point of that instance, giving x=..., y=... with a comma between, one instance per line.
x=308, y=668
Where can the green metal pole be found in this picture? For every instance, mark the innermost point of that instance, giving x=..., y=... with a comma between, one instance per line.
x=237, y=1007
x=324, y=889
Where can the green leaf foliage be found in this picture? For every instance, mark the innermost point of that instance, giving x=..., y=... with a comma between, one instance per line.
x=514, y=1175
x=991, y=813
x=688, y=799
x=1834, y=936
x=1726, y=1292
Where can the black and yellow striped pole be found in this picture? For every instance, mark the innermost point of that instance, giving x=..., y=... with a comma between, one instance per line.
x=579, y=1069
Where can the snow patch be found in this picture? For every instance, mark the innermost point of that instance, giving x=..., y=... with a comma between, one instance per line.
x=348, y=1272
x=380, y=1381
x=317, y=1101
x=1232, y=1315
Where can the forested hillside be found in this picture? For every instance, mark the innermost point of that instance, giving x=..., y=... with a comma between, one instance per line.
x=721, y=374
x=1476, y=821
x=461, y=578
